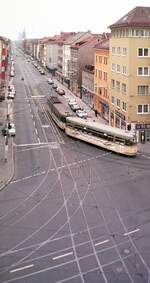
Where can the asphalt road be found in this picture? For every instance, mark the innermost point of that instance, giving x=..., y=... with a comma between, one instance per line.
x=73, y=212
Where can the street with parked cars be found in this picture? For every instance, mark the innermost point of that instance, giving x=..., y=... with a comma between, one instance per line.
x=68, y=215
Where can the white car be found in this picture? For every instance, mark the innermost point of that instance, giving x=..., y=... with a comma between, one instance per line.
x=81, y=113
x=11, y=129
x=10, y=95
x=50, y=81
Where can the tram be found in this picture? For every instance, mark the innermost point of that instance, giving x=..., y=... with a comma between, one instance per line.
x=104, y=136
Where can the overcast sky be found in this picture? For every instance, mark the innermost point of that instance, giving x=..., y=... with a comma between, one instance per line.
x=48, y=17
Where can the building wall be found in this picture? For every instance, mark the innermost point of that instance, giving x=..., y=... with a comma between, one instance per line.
x=101, y=92
x=131, y=62
x=52, y=56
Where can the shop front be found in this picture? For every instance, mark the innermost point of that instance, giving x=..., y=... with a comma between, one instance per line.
x=143, y=132
x=104, y=108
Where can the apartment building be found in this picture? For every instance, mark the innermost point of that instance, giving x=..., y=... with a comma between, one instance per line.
x=87, y=90
x=82, y=54
x=4, y=53
x=78, y=37
x=129, y=73
x=101, y=94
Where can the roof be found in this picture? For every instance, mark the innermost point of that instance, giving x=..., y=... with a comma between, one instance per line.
x=97, y=126
x=102, y=45
x=139, y=16
x=75, y=38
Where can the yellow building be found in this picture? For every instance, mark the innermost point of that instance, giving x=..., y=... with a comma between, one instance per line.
x=101, y=98
x=129, y=73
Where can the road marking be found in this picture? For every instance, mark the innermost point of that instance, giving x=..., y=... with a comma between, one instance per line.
x=30, y=144
x=60, y=256
x=46, y=126
x=28, y=177
x=131, y=232
x=21, y=268
x=36, y=132
x=100, y=243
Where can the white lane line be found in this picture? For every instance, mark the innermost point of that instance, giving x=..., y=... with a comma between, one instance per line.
x=101, y=243
x=36, y=132
x=39, y=140
x=131, y=232
x=21, y=268
x=28, y=177
x=63, y=255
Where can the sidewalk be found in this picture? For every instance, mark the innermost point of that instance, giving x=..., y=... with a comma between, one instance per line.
x=6, y=152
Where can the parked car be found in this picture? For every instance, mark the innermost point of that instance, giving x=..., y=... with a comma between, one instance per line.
x=50, y=81
x=72, y=101
x=10, y=95
x=60, y=91
x=42, y=72
x=75, y=107
x=81, y=113
x=9, y=129
x=54, y=86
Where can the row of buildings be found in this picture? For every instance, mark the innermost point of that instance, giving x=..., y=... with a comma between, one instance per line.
x=4, y=54
x=110, y=72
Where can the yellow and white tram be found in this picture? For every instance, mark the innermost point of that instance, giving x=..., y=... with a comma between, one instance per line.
x=101, y=135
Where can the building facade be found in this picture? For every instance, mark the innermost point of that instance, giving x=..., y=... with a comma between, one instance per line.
x=129, y=81
x=101, y=93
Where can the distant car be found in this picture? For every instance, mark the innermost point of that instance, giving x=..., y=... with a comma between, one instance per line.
x=72, y=101
x=9, y=129
x=81, y=113
x=75, y=107
x=60, y=91
x=50, y=81
x=54, y=86
x=10, y=95
x=42, y=72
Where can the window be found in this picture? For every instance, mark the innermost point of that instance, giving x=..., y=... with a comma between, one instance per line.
x=118, y=102
x=124, y=106
x=105, y=76
x=113, y=50
x=112, y=83
x=105, y=60
x=124, y=87
x=100, y=90
x=113, y=67
x=143, y=52
x=124, y=70
x=95, y=87
x=95, y=72
x=117, y=85
x=124, y=51
x=112, y=99
x=142, y=89
x=118, y=68
x=96, y=58
x=100, y=74
x=143, y=109
x=118, y=50
x=100, y=59
x=143, y=71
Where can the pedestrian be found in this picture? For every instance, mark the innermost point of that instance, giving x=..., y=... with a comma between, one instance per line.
x=95, y=113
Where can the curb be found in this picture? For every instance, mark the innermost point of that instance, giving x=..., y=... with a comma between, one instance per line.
x=12, y=169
